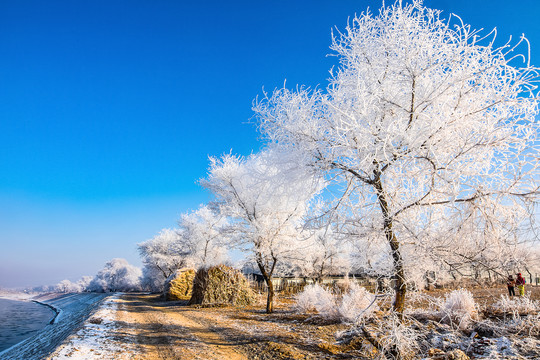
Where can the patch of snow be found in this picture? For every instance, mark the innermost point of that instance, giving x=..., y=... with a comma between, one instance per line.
x=95, y=340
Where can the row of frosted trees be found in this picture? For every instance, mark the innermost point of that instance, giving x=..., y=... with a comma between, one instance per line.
x=419, y=157
x=116, y=275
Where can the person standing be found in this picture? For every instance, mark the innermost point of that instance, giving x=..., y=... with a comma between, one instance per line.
x=510, y=283
x=520, y=283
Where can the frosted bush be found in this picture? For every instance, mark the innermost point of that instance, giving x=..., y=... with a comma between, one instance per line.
x=315, y=297
x=326, y=305
x=399, y=336
x=357, y=304
x=305, y=301
x=517, y=305
x=529, y=325
x=392, y=337
x=459, y=308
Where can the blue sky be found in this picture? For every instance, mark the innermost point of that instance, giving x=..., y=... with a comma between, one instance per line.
x=109, y=110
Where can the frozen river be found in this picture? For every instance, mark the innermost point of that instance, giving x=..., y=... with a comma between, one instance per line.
x=73, y=310
x=20, y=320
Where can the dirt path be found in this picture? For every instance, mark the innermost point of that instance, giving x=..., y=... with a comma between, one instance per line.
x=140, y=326
x=161, y=331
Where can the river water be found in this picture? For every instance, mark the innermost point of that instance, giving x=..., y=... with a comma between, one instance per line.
x=21, y=319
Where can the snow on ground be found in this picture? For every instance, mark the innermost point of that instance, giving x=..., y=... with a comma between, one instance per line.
x=95, y=340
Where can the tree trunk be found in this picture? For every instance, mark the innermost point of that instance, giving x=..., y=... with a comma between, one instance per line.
x=267, y=275
x=270, y=298
x=400, y=285
x=530, y=274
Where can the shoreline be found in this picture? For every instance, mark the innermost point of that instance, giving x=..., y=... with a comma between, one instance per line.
x=19, y=296
x=54, y=309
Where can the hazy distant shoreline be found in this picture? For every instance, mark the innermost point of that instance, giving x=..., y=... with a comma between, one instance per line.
x=20, y=296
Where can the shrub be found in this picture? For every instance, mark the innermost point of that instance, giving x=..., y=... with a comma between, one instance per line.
x=357, y=304
x=326, y=304
x=316, y=298
x=396, y=337
x=459, y=309
x=517, y=305
x=305, y=300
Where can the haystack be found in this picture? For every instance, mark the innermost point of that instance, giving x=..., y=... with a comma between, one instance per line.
x=219, y=285
x=179, y=285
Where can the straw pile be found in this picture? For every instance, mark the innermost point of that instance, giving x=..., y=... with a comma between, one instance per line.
x=179, y=285
x=219, y=285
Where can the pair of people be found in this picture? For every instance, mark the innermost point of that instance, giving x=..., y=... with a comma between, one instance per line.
x=519, y=282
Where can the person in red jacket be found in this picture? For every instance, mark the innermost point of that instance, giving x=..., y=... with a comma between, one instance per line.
x=520, y=283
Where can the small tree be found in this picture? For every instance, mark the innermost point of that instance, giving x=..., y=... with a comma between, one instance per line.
x=117, y=275
x=327, y=255
x=202, y=234
x=265, y=197
x=162, y=255
x=66, y=286
x=423, y=117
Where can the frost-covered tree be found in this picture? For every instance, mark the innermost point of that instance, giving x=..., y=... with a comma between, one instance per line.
x=84, y=282
x=327, y=254
x=203, y=236
x=265, y=196
x=423, y=117
x=162, y=255
x=117, y=275
x=66, y=286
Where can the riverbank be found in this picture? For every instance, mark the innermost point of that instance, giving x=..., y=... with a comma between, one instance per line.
x=71, y=312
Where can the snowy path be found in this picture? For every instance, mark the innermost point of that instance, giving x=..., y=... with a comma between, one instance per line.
x=74, y=309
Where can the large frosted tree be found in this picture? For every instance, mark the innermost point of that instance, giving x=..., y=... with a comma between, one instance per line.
x=423, y=118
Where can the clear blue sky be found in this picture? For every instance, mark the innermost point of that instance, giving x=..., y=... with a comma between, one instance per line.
x=109, y=110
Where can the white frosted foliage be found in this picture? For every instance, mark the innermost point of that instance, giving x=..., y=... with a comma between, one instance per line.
x=429, y=132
